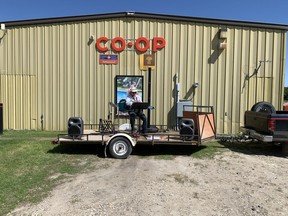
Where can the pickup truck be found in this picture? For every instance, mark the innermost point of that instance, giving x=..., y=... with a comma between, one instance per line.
x=266, y=124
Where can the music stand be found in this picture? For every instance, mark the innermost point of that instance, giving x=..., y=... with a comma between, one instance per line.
x=140, y=105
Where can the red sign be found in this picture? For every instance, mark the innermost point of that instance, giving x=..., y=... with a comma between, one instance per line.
x=118, y=44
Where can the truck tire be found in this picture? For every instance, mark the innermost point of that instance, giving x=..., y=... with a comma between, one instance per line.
x=120, y=148
x=264, y=107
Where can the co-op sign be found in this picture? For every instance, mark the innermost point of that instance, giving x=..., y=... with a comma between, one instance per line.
x=119, y=44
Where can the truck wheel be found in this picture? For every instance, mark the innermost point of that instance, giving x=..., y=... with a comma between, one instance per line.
x=120, y=148
x=264, y=107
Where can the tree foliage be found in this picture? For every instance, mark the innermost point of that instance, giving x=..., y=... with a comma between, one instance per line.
x=286, y=93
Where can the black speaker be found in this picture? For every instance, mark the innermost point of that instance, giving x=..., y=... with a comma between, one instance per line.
x=75, y=126
x=186, y=126
x=187, y=133
x=186, y=122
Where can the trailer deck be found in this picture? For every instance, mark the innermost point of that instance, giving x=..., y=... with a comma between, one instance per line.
x=97, y=137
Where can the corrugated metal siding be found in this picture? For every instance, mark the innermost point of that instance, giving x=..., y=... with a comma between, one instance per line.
x=52, y=70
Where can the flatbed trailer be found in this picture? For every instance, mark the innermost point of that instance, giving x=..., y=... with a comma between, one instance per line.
x=121, y=143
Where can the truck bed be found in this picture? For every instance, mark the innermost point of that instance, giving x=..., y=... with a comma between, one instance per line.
x=275, y=124
x=259, y=121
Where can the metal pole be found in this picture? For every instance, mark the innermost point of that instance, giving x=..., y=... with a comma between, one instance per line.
x=149, y=96
x=176, y=100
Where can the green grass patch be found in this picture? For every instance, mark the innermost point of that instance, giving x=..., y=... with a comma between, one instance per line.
x=209, y=150
x=30, y=166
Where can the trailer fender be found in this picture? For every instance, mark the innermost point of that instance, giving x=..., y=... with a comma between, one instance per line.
x=120, y=145
x=132, y=141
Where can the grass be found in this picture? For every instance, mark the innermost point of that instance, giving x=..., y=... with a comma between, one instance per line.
x=30, y=167
x=209, y=150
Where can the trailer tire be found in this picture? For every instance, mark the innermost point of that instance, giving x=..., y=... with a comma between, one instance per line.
x=120, y=148
x=264, y=107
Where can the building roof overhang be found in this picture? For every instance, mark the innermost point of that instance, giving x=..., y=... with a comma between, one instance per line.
x=86, y=18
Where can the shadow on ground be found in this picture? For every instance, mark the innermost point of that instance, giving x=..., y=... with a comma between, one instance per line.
x=173, y=150
x=255, y=148
x=140, y=150
x=79, y=149
x=251, y=148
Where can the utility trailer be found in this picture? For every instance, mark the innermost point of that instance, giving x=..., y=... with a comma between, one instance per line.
x=197, y=127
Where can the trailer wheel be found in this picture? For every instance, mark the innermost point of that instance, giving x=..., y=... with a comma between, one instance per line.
x=264, y=107
x=120, y=148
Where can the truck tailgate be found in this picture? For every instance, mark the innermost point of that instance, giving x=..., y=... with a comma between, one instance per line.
x=273, y=124
x=257, y=121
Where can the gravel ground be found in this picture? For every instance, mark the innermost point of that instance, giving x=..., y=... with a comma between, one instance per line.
x=231, y=183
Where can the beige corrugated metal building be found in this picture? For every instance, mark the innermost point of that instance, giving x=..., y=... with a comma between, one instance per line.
x=49, y=69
